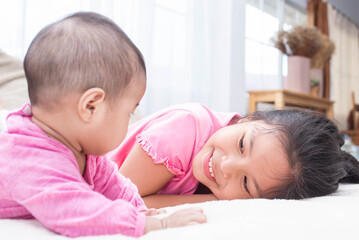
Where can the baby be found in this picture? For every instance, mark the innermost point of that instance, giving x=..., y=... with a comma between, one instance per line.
x=85, y=77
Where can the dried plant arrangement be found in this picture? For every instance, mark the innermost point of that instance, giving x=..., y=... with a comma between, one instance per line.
x=323, y=55
x=302, y=41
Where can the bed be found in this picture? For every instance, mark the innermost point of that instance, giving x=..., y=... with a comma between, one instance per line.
x=328, y=217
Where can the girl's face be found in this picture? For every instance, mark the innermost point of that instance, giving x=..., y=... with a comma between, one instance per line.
x=239, y=161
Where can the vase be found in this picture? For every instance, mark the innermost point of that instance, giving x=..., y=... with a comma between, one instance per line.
x=314, y=91
x=298, y=79
x=317, y=75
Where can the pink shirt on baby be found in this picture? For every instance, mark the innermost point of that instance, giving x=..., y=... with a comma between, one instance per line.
x=39, y=177
x=173, y=137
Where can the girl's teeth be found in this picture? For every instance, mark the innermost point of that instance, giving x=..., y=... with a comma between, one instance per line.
x=210, y=167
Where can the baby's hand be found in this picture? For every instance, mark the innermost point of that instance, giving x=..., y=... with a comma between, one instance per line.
x=184, y=217
x=154, y=211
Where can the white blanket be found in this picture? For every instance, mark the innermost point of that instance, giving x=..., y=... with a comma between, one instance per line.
x=329, y=217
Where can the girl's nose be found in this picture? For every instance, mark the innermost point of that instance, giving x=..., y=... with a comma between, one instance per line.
x=229, y=166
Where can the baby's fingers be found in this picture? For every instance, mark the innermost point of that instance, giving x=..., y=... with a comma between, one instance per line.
x=161, y=211
x=194, y=214
x=154, y=211
x=185, y=217
x=197, y=216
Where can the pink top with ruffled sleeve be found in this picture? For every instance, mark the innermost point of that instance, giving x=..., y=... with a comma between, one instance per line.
x=40, y=178
x=173, y=137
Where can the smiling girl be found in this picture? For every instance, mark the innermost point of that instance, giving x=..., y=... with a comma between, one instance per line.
x=185, y=149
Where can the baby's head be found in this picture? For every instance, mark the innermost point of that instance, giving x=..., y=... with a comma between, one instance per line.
x=85, y=65
x=290, y=154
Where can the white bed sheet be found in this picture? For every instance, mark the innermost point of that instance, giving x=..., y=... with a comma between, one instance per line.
x=329, y=217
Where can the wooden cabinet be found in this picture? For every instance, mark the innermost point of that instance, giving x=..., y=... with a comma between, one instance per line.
x=282, y=98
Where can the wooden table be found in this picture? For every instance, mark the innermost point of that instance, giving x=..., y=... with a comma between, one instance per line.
x=282, y=98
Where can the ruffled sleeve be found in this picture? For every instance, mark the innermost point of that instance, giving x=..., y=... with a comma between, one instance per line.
x=169, y=139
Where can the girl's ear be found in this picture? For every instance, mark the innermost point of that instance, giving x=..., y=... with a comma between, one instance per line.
x=242, y=120
x=234, y=120
x=90, y=103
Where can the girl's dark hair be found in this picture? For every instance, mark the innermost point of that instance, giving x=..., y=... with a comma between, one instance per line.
x=312, y=144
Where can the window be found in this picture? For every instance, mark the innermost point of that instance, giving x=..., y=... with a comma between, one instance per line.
x=265, y=66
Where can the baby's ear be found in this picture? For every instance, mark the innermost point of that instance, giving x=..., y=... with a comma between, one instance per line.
x=90, y=103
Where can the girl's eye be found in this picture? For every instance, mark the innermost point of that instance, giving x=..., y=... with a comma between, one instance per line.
x=241, y=146
x=245, y=184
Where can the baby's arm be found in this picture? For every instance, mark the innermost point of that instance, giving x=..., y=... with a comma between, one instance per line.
x=49, y=186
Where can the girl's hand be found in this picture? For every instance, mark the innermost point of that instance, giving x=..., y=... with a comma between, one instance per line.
x=154, y=211
x=184, y=217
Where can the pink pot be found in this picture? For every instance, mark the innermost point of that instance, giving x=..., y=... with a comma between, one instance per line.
x=298, y=79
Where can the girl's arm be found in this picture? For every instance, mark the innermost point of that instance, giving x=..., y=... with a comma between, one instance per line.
x=163, y=200
x=150, y=178
x=144, y=173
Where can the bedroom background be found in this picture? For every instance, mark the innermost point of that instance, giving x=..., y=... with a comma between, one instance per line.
x=206, y=51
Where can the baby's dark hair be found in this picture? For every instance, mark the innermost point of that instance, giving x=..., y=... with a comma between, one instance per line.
x=312, y=143
x=79, y=52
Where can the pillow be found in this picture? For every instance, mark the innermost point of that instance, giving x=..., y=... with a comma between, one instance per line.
x=13, y=85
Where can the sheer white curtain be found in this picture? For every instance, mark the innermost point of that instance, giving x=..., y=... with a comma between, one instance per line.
x=344, y=64
x=216, y=54
x=194, y=53
x=194, y=49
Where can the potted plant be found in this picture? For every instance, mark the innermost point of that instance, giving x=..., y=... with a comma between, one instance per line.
x=300, y=44
x=314, y=87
